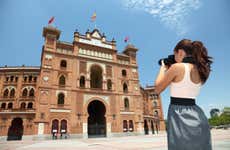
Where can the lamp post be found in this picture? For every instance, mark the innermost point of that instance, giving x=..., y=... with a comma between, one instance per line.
x=79, y=116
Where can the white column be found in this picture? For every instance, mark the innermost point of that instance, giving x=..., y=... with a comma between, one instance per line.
x=41, y=128
x=108, y=129
x=140, y=129
x=85, y=130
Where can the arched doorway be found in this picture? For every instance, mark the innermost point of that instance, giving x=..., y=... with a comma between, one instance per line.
x=146, y=128
x=15, y=131
x=96, y=119
x=96, y=77
x=152, y=127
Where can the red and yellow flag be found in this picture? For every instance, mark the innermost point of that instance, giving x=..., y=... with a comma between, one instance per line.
x=93, y=17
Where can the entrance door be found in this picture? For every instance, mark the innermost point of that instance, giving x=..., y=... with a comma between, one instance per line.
x=15, y=131
x=146, y=128
x=152, y=127
x=96, y=119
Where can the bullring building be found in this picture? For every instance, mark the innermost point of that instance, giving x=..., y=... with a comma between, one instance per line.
x=83, y=88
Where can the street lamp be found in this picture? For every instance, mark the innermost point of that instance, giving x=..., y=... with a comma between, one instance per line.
x=79, y=116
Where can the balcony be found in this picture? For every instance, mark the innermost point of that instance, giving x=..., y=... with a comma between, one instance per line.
x=17, y=111
x=27, y=98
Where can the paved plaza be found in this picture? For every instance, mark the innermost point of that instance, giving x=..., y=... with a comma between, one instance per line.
x=220, y=138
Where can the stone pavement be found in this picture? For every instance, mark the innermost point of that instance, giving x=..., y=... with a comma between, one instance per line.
x=220, y=141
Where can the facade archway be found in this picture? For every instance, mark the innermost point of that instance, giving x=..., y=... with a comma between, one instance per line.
x=15, y=131
x=96, y=120
x=146, y=128
x=152, y=127
x=55, y=126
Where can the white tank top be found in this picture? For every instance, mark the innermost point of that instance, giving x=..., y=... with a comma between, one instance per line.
x=185, y=88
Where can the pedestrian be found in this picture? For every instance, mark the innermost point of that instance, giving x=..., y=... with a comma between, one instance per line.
x=187, y=125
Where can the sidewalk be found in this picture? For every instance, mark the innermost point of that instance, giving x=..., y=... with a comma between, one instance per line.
x=220, y=138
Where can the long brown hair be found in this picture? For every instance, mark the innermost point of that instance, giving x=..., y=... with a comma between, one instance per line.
x=199, y=53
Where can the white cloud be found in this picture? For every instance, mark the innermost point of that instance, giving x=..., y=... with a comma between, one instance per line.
x=171, y=13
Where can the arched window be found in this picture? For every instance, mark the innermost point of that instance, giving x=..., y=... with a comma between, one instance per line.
x=11, y=78
x=10, y=105
x=30, y=78
x=61, y=98
x=123, y=72
x=131, y=125
x=154, y=104
x=109, y=84
x=156, y=113
x=30, y=105
x=63, y=64
x=55, y=126
x=82, y=81
x=126, y=103
x=3, y=106
x=125, y=126
x=31, y=94
x=25, y=78
x=24, y=92
x=6, y=92
x=62, y=80
x=23, y=105
x=96, y=77
x=125, y=88
x=12, y=93
x=63, y=126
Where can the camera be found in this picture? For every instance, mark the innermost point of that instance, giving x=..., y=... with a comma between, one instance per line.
x=168, y=61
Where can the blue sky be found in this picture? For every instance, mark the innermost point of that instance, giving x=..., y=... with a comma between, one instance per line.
x=154, y=27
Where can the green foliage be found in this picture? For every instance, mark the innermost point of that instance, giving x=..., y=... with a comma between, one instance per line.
x=223, y=119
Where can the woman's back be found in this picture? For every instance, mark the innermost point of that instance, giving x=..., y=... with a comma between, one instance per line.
x=187, y=83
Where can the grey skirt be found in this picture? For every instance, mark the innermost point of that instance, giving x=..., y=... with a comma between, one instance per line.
x=187, y=126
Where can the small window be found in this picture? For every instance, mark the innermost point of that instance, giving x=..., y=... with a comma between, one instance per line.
x=23, y=105
x=82, y=81
x=31, y=94
x=30, y=78
x=10, y=105
x=7, y=79
x=61, y=98
x=24, y=93
x=25, y=79
x=63, y=64
x=154, y=104
x=125, y=88
x=16, y=79
x=124, y=74
x=30, y=105
x=11, y=78
x=3, y=106
x=12, y=93
x=156, y=113
x=126, y=103
x=62, y=80
x=109, y=84
x=6, y=93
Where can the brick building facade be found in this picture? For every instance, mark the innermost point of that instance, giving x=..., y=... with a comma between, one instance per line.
x=84, y=89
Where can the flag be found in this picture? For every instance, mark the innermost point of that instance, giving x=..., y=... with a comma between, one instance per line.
x=51, y=20
x=126, y=39
x=93, y=17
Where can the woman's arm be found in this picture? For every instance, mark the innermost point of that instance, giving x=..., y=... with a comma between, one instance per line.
x=165, y=77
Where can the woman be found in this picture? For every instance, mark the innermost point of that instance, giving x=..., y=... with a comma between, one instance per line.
x=187, y=125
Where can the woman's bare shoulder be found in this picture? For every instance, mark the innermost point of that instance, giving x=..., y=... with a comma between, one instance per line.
x=177, y=66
